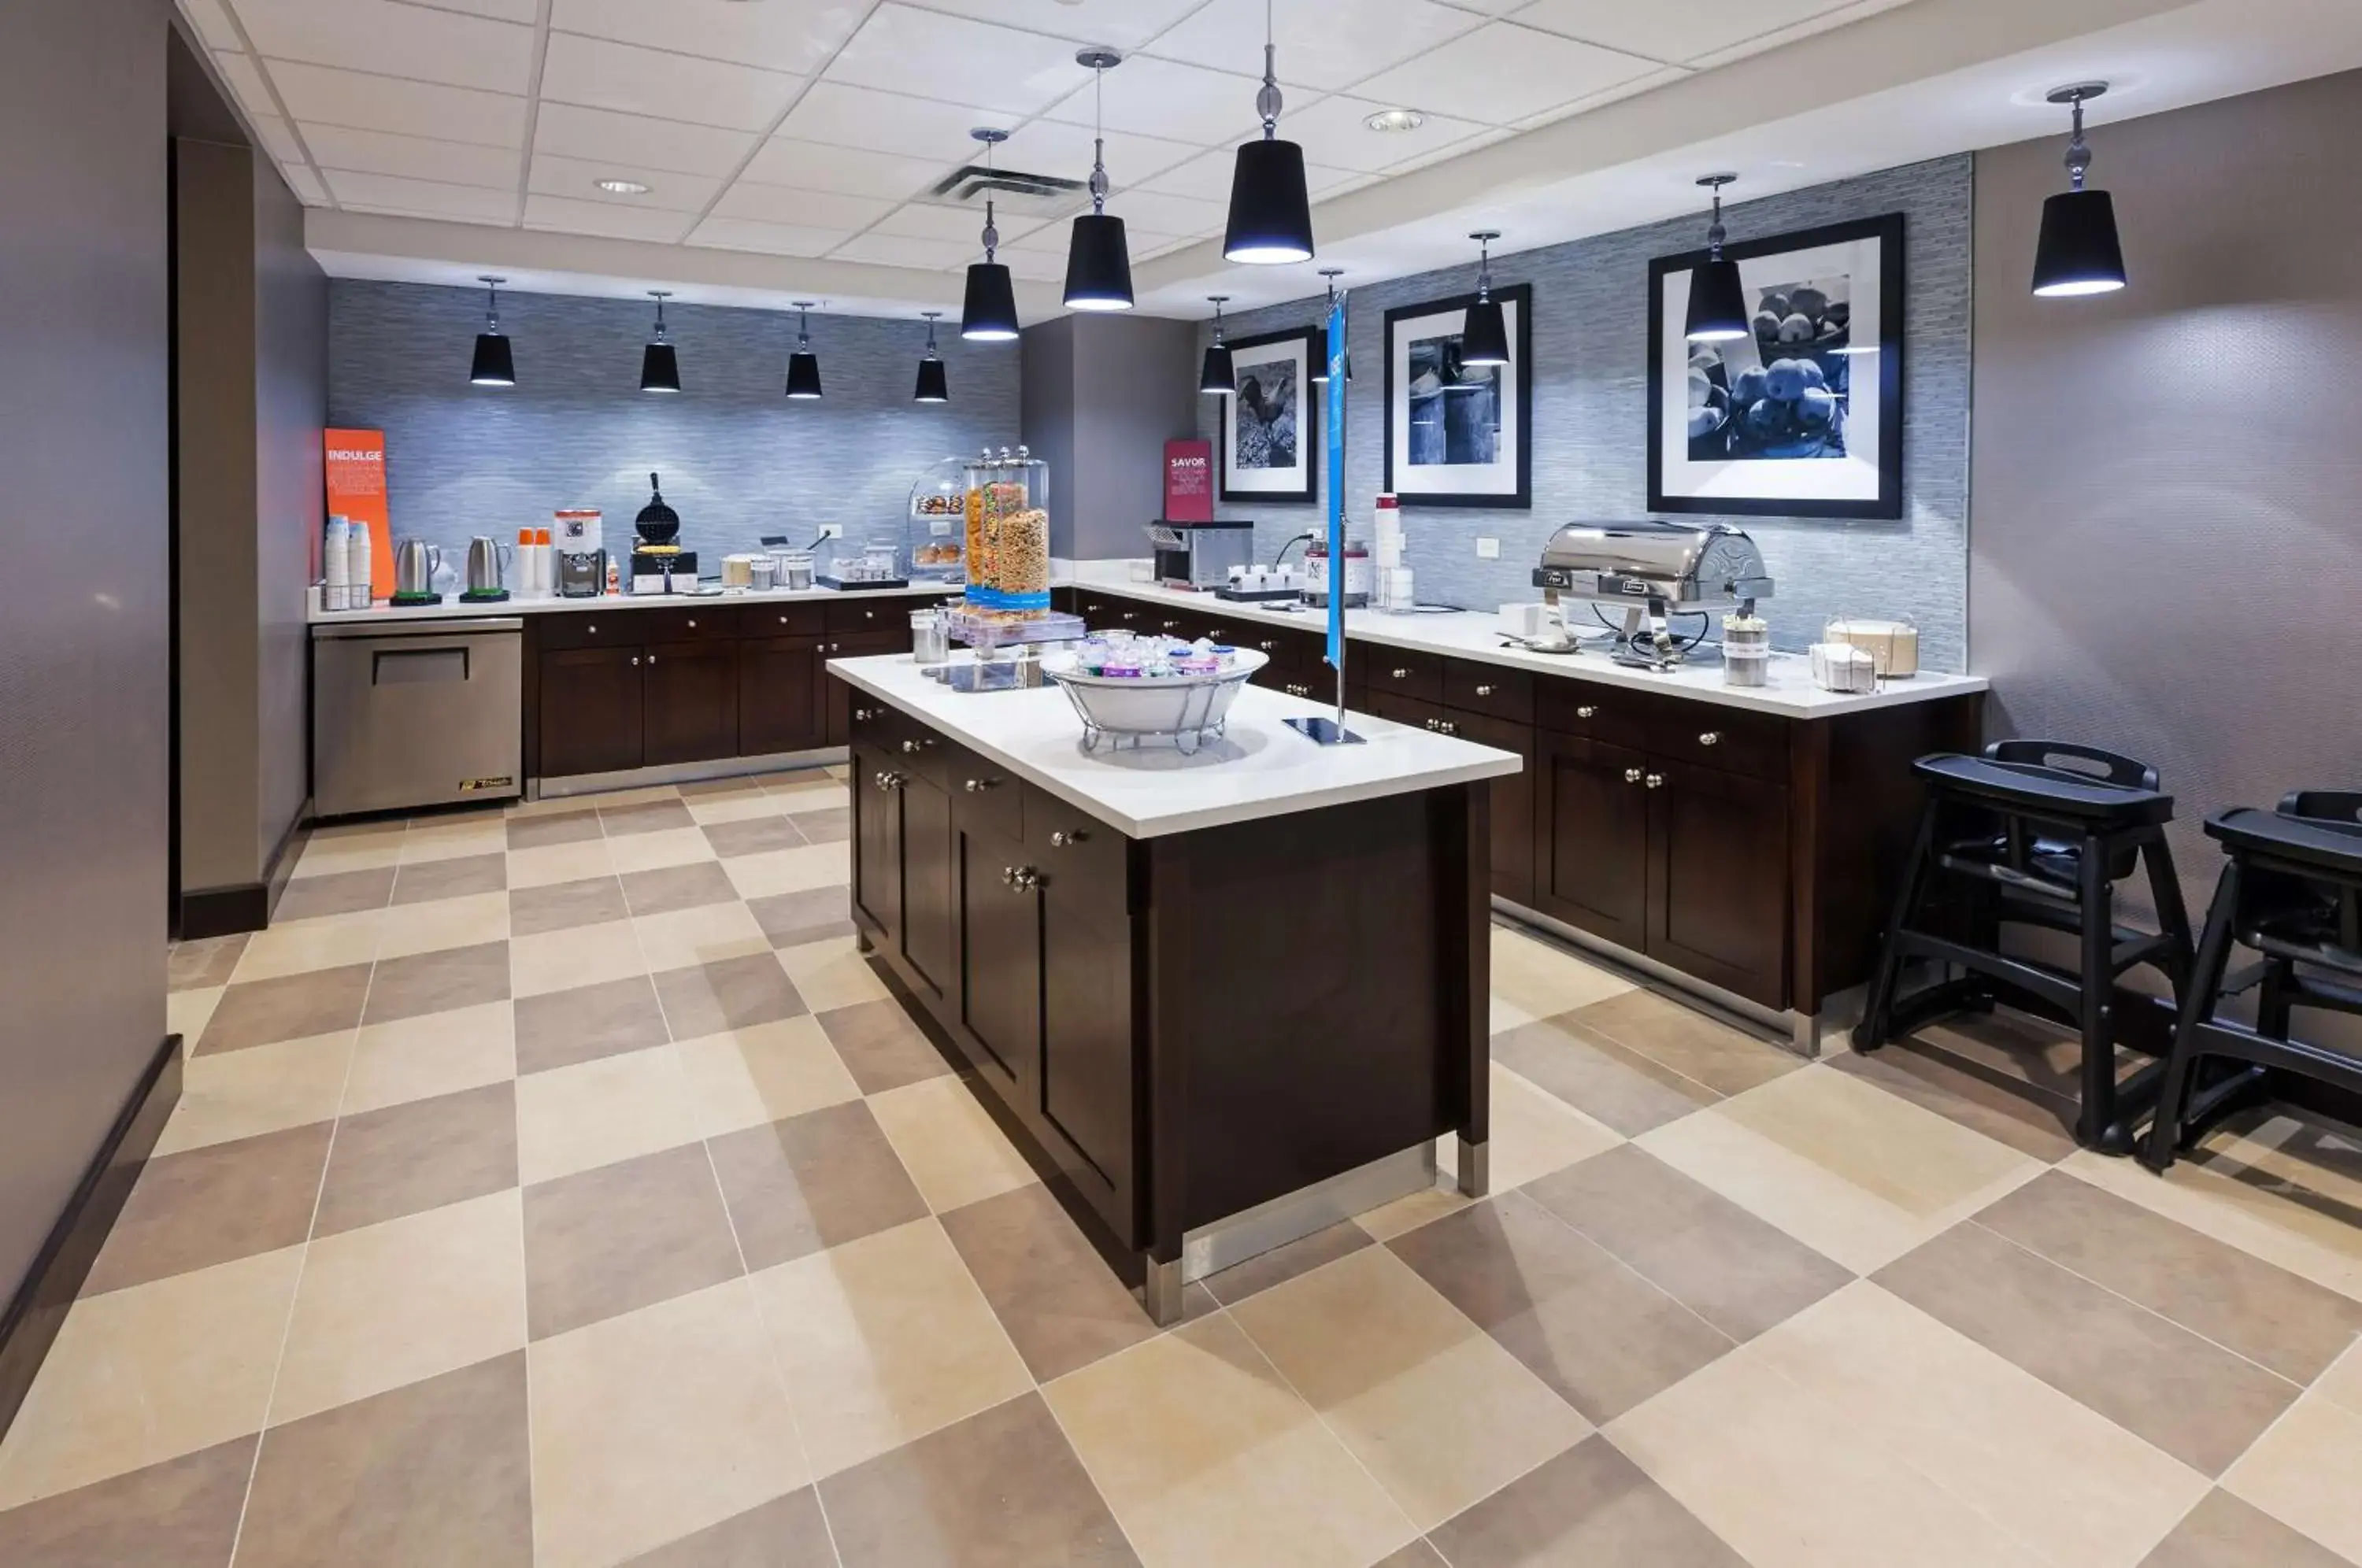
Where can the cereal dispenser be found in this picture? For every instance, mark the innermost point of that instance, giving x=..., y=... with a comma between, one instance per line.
x=1007, y=533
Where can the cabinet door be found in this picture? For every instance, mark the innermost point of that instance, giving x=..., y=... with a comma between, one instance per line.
x=1718, y=879
x=838, y=698
x=688, y=703
x=1086, y=1066
x=930, y=886
x=778, y=695
x=877, y=844
x=1591, y=865
x=1000, y=962
x=590, y=711
x=1513, y=801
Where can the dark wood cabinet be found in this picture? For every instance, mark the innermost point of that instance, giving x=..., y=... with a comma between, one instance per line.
x=876, y=843
x=1592, y=837
x=1718, y=877
x=780, y=696
x=688, y=703
x=588, y=709
x=929, y=879
x=1088, y=1077
x=1513, y=801
x=836, y=699
x=1001, y=989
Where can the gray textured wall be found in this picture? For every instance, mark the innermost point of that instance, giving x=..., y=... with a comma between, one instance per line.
x=739, y=459
x=2167, y=557
x=1590, y=435
x=1046, y=421
x=290, y=398
x=84, y=424
x=1136, y=389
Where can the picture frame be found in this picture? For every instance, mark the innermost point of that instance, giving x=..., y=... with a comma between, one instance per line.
x=1271, y=441
x=1454, y=437
x=1804, y=419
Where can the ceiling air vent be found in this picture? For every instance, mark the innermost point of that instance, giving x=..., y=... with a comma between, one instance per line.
x=1014, y=191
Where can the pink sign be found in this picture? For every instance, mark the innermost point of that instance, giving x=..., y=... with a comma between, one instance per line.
x=1188, y=481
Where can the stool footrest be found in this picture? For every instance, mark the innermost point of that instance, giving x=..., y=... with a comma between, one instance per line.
x=2039, y=980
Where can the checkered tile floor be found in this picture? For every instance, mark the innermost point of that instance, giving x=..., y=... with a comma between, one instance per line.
x=557, y=1186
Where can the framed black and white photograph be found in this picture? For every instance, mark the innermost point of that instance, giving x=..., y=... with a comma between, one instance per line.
x=1271, y=422
x=1804, y=417
x=1455, y=433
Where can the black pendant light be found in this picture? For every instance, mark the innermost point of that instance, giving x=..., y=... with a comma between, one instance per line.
x=1098, y=263
x=659, y=366
x=1718, y=302
x=492, y=368
x=1320, y=365
x=1270, y=209
x=2079, y=252
x=932, y=387
x=1218, y=377
x=803, y=365
x=989, y=313
x=1485, y=332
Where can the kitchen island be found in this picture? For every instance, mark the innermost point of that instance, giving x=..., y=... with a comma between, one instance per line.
x=1226, y=998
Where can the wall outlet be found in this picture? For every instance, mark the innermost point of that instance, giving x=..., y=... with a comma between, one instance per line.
x=834, y=531
x=1488, y=549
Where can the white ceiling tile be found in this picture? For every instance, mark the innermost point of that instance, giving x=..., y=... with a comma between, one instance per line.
x=771, y=238
x=569, y=130
x=394, y=40
x=246, y=83
x=1052, y=146
x=1207, y=177
x=319, y=96
x=1125, y=24
x=611, y=220
x=605, y=75
x=957, y=59
x=1035, y=266
x=839, y=115
x=421, y=198
x=920, y=220
x=847, y=170
x=802, y=209
x=1165, y=98
x=1821, y=22
x=1502, y=73
x=278, y=138
x=304, y=184
x=413, y=157
x=793, y=35
x=1325, y=47
x=900, y=250
x=1169, y=214
x=524, y=11
x=577, y=180
x=1673, y=30
x=1332, y=134
x=1661, y=77
x=1052, y=240
x=211, y=19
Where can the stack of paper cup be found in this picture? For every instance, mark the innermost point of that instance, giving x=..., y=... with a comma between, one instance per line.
x=335, y=573
x=358, y=592
x=1386, y=533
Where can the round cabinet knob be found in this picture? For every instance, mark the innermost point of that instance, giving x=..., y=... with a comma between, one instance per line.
x=1655, y=781
x=1063, y=839
x=1632, y=776
x=783, y=620
x=1026, y=880
x=1265, y=646
x=1400, y=674
x=592, y=629
x=1483, y=691
x=1445, y=726
x=910, y=748
x=865, y=614
x=1009, y=875
x=652, y=659
x=692, y=625
x=635, y=661
x=1586, y=712
x=1128, y=615
x=1711, y=738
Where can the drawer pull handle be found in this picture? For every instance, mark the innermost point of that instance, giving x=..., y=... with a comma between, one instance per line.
x=635, y=661
x=1711, y=738
x=652, y=661
x=1446, y=727
x=1009, y=875
x=1063, y=839
x=910, y=749
x=1483, y=691
x=1025, y=879
x=863, y=715
x=1632, y=775
x=1586, y=712
x=1400, y=674
x=977, y=786
x=1655, y=781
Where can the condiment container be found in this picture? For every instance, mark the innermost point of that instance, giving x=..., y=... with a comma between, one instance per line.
x=1893, y=645
x=1746, y=651
x=930, y=637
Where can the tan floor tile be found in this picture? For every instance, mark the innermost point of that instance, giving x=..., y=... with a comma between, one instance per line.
x=2305, y=1153
x=2256, y=1214
x=749, y=806
x=452, y=877
x=2343, y=1381
x=398, y=1302
x=951, y=1145
x=640, y=817
x=807, y=789
x=670, y=887
x=562, y=960
x=182, y=1513
x=563, y=906
x=421, y=983
x=339, y=892
x=540, y=824
x=327, y=853
x=884, y=1340
x=609, y=1241
x=437, y=1054
x=617, y=800
x=786, y=1533
x=1207, y=1456
x=2224, y=1532
x=2301, y=1473
x=187, y=1012
x=653, y=851
x=1699, y=1048
x=462, y=922
x=300, y=947
x=206, y=963
x=765, y=1073
x=542, y=865
x=788, y=870
x=1441, y=1414
x=826, y=826
x=419, y=1154
x=796, y=920
x=2070, y=1485
x=238, y=1094
x=1406, y=1214
x=2032, y=1120
x=1062, y=1304
x=706, y=935
x=1612, y=1084
x=652, y=1424
x=151, y=1372
x=832, y=973
x=882, y=1046
x=760, y=835
x=1277, y=1266
x=1540, y=980
x=1534, y=1132
x=594, y=1113
x=209, y=1204
x=817, y=1180
x=1590, y=1504
x=733, y=993
x=559, y=1029
x=454, y=838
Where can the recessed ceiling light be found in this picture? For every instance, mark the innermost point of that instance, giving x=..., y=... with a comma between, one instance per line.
x=1389, y=120
x=622, y=187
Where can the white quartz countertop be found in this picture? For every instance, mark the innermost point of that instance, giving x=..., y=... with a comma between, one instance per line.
x=1261, y=768
x=454, y=608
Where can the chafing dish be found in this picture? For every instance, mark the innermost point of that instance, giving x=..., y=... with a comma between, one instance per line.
x=1654, y=570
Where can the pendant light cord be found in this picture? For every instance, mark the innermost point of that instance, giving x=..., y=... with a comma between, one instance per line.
x=1098, y=140
x=2079, y=151
x=492, y=305
x=1268, y=102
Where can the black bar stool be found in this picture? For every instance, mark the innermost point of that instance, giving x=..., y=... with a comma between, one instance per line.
x=2292, y=892
x=2036, y=832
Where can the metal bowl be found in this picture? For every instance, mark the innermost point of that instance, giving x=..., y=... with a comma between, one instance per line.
x=1187, y=710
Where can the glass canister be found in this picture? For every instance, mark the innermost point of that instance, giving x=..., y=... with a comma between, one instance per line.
x=1746, y=650
x=930, y=641
x=1008, y=523
x=938, y=531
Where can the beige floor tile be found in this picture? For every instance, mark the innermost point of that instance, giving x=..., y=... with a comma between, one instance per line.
x=788, y=870
x=763, y=1073
x=680, y=938
x=300, y=947
x=2301, y=1473
x=328, y=852
x=655, y=1424
x=595, y=1113
x=441, y=1053
x=1851, y=1171
x=149, y=1373
x=2258, y=1216
x=884, y=1340
x=609, y=800
x=394, y=1303
x=2066, y=1481
x=433, y=839
x=950, y=1144
x=562, y=960
x=2343, y=1381
x=734, y=808
x=464, y=922
x=1435, y=1409
x=1540, y=980
x=1533, y=1133
x=810, y=791
x=237, y=1094
x=651, y=851
x=1206, y=1455
x=1407, y=1214
x=2320, y=1158
x=830, y=974
x=186, y=1013
x=547, y=864
x=1792, y=1482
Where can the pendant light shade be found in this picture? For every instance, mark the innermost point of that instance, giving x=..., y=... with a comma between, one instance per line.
x=1320, y=365
x=988, y=312
x=2079, y=252
x=1099, y=262
x=1717, y=311
x=1483, y=331
x=1218, y=377
x=932, y=387
x=803, y=365
x=1271, y=208
x=492, y=365
x=659, y=366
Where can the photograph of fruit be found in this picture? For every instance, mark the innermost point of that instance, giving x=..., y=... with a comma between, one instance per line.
x=1269, y=422
x=1455, y=433
x=1781, y=394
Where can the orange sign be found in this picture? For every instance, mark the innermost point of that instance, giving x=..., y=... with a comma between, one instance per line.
x=355, y=469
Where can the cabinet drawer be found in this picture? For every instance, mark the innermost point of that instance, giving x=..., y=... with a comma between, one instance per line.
x=878, y=725
x=603, y=628
x=1399, y=670
x=868, y=614
x=706, y=623
x=860, y=644
x=1753, y=745
x=1600, y=712
x=1489, y=689
x=1297, y=652
x=986, y=797
x=781, y=620
x=1418, y=713
x=1063, y=840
